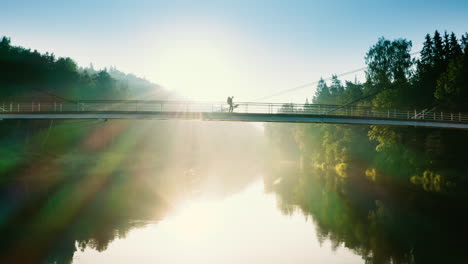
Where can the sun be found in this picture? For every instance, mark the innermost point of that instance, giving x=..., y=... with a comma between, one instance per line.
x=199, y=66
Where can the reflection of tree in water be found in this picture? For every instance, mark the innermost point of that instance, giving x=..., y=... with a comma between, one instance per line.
x=44, y=230
x=381, y=226
x=64, y=217
x=89, y=195
x=90, y=181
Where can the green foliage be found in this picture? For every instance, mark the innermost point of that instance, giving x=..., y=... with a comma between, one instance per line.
x=383, y=225
x=386, y=136
x=389, y=62
x=405, y=163
x=451, y=90
x=27, y=75
x=322, y=93
x=431, y=181
x=438, y=80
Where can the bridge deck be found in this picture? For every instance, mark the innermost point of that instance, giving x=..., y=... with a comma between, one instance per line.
x=244, y=112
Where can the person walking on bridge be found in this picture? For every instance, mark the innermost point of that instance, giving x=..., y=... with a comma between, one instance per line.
x=230, y=103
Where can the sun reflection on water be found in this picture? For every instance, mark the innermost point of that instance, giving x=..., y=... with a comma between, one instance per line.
x=243, y=228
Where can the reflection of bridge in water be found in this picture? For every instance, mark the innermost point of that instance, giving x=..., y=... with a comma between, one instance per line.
x=244, y=112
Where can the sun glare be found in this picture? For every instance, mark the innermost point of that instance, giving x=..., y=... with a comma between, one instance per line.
x=199, y=66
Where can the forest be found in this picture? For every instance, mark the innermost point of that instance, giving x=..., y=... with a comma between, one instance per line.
x=67, y=185
x=30, y=75
x=390, y=194
x=431, y=160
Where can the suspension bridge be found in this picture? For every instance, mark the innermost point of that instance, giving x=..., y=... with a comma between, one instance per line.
x=243, y=112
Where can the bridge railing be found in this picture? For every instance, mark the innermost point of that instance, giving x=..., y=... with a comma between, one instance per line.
x=106, y=106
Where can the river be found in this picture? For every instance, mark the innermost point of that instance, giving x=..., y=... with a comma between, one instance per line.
x=202, y=193
x=245, y=227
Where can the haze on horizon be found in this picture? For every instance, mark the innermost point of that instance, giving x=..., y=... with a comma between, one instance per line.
x=212, y=49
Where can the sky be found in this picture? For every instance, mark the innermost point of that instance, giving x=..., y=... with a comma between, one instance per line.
x=208, y=50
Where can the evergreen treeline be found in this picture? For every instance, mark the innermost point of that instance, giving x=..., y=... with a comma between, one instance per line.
x=433, y=159
x=67, y=185
x=27, y=75
x=390, y=194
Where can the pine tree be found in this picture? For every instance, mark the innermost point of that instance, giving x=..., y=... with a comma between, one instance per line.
x=447, y=51
x=427, y=52
x=5, y=43
x=322, y=93
x=455, y=46
x=438, y=48
x=426, y=80
x=335, y=86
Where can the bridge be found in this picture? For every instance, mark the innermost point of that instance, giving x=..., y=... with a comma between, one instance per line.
x=244, y=112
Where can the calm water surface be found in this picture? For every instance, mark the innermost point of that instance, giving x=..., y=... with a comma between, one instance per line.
x=246, y=227
x=206, y=197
